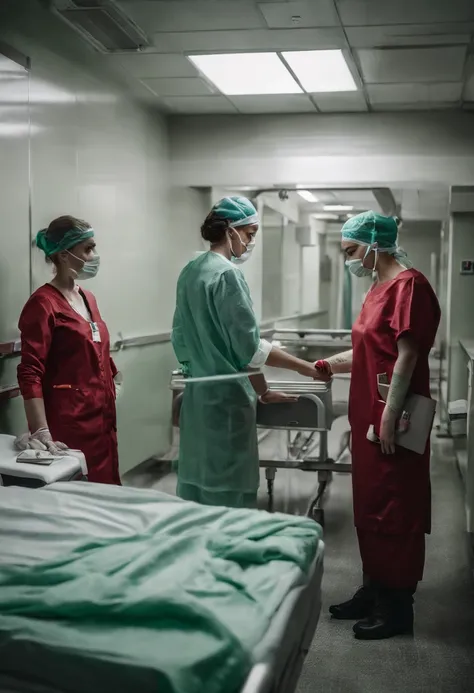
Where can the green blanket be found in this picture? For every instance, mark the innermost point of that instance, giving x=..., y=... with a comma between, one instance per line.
x=176, y=609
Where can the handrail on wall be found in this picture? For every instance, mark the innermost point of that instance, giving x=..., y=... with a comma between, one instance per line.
x=8, y=392
x=9, y=348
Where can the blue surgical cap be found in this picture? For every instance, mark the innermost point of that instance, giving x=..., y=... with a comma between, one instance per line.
x=368, y=228
x=238, y=210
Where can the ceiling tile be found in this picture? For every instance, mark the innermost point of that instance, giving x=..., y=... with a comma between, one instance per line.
x=194, y=15
x=294, y=103
x=186, y=86
x=400, y=95
x=378, y=12
x=408, y=65
x=149, y=65
x=341, y=102
x=304, y=13
x=199, y=104
x=258, y=40
x=469, y=88
x=409, y=35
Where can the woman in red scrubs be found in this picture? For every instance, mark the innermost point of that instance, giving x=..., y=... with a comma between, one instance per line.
x=393, y=335
x=66, y=375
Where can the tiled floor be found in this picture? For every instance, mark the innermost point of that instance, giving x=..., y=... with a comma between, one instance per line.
x=440, y=659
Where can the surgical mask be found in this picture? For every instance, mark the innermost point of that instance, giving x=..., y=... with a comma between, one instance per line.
x=356, y=266
x=89, y=268
x=245, y=255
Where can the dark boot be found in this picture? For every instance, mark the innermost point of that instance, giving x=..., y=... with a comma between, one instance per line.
x=392, y=615
x=360, y=606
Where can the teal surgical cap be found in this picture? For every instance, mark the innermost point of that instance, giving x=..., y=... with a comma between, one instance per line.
x=369, y=228
x=69, y=240
x=238, y=210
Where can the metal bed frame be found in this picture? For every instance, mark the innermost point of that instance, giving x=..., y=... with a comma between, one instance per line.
x=311, y=414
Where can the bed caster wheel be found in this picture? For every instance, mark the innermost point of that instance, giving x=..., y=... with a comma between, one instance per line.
x=317, y=514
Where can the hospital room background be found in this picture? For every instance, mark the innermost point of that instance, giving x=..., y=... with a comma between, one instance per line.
x=133, y=144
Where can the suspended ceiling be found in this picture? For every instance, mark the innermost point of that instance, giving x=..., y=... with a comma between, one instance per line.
x=404, y=54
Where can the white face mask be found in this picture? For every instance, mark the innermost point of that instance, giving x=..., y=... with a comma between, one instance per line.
x=356, y=266
x=247, y=252
x=89, y=267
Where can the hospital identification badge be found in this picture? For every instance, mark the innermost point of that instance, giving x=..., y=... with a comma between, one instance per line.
x=95, y=332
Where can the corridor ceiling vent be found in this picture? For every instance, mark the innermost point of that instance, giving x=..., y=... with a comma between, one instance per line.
x=292, y=72
x=101, y=23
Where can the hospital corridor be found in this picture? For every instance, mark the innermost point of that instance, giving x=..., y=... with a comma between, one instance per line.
x=236, y=346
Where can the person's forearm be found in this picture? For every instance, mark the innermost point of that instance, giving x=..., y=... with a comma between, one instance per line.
x=259, y=384
x=341, y=363
x=278, y=358
x=35, y=414
x=401, y=377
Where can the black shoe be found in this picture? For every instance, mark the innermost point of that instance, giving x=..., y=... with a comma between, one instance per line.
x=392, y=615
x=360, y=606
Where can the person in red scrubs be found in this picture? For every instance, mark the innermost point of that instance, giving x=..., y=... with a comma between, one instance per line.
x=393, y=335
x=66, y=376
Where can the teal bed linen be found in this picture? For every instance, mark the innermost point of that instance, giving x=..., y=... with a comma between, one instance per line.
x=109, y=589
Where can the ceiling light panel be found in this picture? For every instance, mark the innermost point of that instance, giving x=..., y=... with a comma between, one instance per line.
x=307, y=195
x=321, y=71
x=247, y=74
x=338, y=208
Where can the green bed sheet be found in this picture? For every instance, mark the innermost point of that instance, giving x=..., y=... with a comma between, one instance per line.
x=176, y=607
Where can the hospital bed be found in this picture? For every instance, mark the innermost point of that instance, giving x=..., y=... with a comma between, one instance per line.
x=306, y=422
x=248, y=586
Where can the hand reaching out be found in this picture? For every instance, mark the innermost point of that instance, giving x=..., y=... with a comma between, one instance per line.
x=274, y=397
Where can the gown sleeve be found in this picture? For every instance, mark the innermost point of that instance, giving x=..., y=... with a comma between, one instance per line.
x=177, y=340
x=416, y=313
x=36, y=326
x=235, y=310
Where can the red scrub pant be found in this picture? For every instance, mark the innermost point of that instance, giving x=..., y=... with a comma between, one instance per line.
x=395, y=561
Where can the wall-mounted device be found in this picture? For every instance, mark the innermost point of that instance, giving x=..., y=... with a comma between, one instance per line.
x=467, y=267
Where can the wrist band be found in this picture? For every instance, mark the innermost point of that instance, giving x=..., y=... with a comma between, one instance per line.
x=324, y=366
x=260, y=398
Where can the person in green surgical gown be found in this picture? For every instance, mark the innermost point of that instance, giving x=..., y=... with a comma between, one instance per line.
x=215, y=332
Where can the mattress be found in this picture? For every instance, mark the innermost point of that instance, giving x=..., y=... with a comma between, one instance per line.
x=131, y=589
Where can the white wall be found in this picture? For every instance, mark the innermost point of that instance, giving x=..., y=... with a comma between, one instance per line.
x=397, y=149
x=291, y=272
x=95, y=154
x=421, y=240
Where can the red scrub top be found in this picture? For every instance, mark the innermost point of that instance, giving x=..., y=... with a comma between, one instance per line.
x=391, y=493
x=62, y=363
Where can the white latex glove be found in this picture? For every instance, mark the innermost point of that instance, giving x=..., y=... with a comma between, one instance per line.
x=118, y=382
x=24, y=442
x=44, y=438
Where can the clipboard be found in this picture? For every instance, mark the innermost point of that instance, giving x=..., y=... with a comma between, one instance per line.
x=415, y=423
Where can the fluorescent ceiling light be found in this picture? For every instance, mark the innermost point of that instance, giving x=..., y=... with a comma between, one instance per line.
x=338, y=208
x=246, y=74
x=307, y=195
x=326, y=217
x=321, y=71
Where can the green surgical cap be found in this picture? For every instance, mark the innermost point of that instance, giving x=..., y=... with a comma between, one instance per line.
x=69, y=240
x=368, y=228
x=238, y=210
